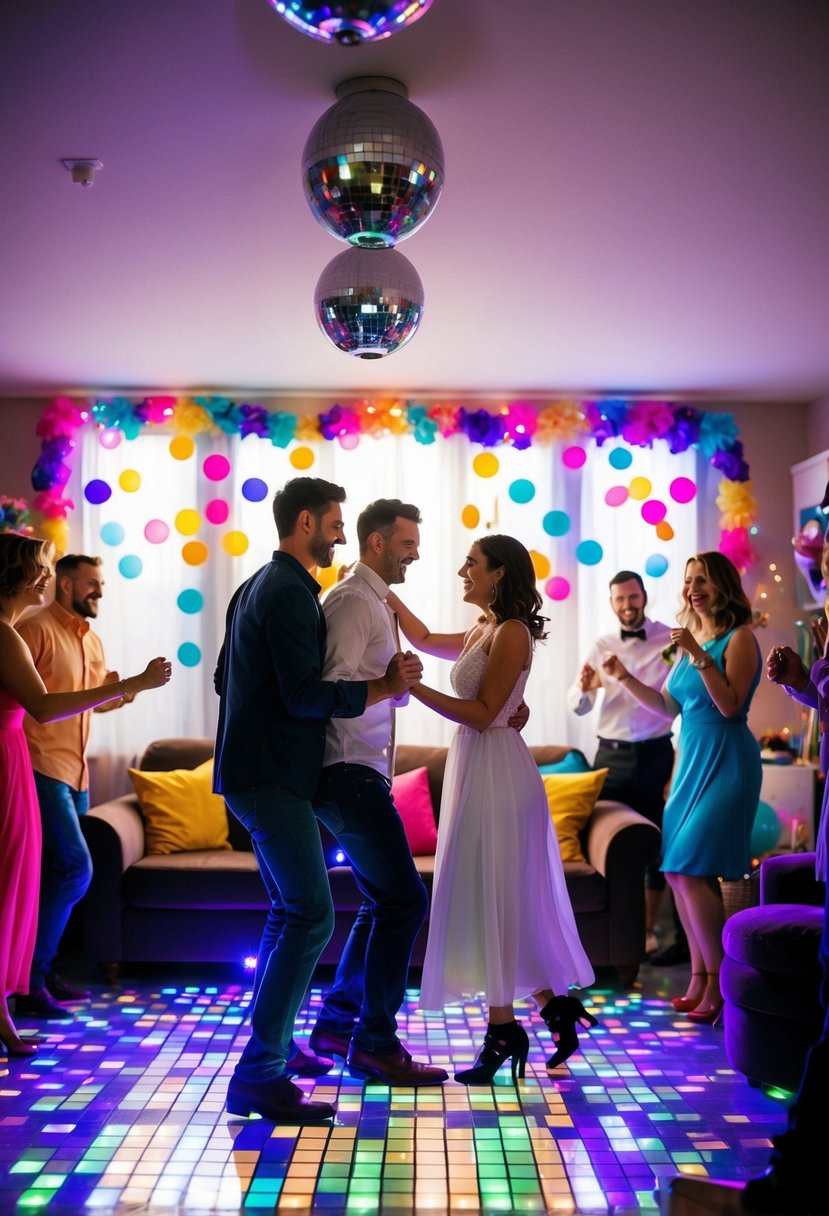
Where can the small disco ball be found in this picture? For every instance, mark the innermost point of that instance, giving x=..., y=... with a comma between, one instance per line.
x=352, y=23
x=369, y=302
x=372, y=167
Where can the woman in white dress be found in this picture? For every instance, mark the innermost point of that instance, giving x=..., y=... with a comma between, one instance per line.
x=501, y=921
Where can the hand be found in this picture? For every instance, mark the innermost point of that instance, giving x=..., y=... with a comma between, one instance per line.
x=156, y=674
x=520, y=718
x=614, y=667
x=589, y=679
x=783, y=666
x=403, y=671
x=113, y=677
x=819, y=632
x=685, y=640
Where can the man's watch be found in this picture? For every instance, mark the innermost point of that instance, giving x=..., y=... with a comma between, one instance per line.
x=702, y=663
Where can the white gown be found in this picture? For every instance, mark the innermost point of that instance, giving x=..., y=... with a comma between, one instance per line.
x=501, y=922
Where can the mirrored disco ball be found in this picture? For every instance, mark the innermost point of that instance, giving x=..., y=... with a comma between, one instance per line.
x=369, y=302
x=352, y=22
x=372, y=168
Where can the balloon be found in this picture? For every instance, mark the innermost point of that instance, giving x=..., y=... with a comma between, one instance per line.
x=522, y=490
x=189, y=654
x=573, y=458
x=766, y=830
x=620, y=458
x=130, y=481
x=216, y=468
x=485, y=464
x=182, y=447
x=682, y=489
x=301, y=458
x=254, y=489
x=470, y=516
x=556, y=523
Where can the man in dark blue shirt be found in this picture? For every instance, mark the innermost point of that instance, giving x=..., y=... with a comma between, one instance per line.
x=269, y=749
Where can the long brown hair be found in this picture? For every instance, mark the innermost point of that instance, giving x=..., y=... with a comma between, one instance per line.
x=731, y=606
x=516, y=597
x=22, y=560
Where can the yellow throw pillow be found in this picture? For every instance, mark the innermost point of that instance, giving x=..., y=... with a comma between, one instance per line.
x=571, y=797
x=181, y=812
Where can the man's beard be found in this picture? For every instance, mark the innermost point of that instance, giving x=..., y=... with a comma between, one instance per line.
x=87, y=607
x=320, y=548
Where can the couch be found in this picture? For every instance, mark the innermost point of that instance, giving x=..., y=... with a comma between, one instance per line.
x=209, y=905
x=770, y=976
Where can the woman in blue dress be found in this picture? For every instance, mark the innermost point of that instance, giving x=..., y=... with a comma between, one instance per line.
x=706, y=827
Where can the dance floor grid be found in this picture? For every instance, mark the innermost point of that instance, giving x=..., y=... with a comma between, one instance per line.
x=122, y=1111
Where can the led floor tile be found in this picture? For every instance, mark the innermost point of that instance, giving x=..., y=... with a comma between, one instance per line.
x=122, y=1110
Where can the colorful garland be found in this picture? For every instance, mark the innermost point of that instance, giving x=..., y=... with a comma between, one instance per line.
x=522, y=424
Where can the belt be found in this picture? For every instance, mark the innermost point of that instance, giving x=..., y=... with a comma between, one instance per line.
x=627, y=745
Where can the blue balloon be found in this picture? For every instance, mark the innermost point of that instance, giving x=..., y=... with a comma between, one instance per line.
x=112, y=534
x=522, y=490
x=130, y=566
x=656, y=565
x=190, y=600
x=589, y=552
x=766, y=830
x=620, y=458
x=189, y=654
x=556, y=523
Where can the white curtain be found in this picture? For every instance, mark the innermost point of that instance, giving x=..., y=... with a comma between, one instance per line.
x=140, y=617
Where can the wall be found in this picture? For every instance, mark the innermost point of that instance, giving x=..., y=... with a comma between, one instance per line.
x=19, y=445
x=817, y=426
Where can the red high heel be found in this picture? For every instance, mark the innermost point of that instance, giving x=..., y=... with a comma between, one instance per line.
x=684, y=1004
x=711, y=1015
x=15, y=1047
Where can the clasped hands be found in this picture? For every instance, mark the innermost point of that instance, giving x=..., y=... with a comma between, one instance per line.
x=404, y=670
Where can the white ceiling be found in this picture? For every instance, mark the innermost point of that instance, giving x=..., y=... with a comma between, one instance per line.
x=637, y=198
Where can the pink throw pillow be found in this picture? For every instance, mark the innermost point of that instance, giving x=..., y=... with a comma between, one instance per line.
x=414, y=804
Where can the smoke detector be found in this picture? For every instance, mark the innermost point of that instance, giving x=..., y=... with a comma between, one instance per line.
x=82, y=168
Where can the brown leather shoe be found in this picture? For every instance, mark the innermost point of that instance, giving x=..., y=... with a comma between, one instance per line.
x=325, y=1043
x=280, y=1101
x=307, y=1064
x=398, y=1068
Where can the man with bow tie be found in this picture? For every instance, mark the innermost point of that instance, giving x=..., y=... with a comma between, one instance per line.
x=633, y=744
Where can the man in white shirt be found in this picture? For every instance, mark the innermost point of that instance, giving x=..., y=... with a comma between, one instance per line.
x=633, y=742
x=358, y=1019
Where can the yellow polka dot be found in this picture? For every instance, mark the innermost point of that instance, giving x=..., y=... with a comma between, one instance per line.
x=639, y=488
x=485, y=464
x=235, y=543
x=188, y=522
x=182, y=447
x=302, y=458
x=129, y=481
x=470, y=516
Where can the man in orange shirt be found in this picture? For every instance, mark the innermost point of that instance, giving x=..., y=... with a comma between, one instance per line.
x=69, y=657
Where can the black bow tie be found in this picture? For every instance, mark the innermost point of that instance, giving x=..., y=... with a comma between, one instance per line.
x=634, y=633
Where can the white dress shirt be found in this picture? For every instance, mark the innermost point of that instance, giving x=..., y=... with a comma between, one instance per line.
x=360, y=645
x=620, y=716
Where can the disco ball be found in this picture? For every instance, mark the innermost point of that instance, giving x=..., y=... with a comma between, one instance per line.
x=372, y=167
x=352, y=22
x=369, y=302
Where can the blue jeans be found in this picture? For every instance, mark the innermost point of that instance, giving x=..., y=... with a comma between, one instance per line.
x=66, y=868
x=286, y=841
x=355, y=804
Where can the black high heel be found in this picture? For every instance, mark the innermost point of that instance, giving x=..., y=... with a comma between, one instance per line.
x=501, y=1043
x=562, y=1014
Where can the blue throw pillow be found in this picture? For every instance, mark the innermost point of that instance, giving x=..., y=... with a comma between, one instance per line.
x=573, y=762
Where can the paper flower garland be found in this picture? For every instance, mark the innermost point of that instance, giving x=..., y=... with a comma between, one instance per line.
x=521, y=424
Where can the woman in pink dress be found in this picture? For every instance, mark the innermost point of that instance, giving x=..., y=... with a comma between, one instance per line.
x=25, y=574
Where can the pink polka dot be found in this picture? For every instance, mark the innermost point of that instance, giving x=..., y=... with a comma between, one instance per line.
x=216, y=468
x=217, y=510
x=616, y=495
x=682, y=489
x=557, y=588
x=573, y=458
x=654, y=511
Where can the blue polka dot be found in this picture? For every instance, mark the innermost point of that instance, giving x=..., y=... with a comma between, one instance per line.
x=556, y=523
x=254, y=489
x=190, y=600
x=656, y=565
x=189, y=654
x=130, y=566
x=112, y=534
x=522, y=490
x=621, y=458
x=589, y=552
x=97, y=491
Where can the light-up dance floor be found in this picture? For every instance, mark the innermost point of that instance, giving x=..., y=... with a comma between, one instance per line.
x=122, y=1111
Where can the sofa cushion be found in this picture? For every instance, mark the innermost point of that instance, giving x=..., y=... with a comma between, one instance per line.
x=413, y=800
x=208, y=879
x=571, y=797
x=181, y=813
x=574, y=762
x=778, y=938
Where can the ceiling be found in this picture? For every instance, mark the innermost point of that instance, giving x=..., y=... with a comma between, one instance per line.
x=636, y=199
